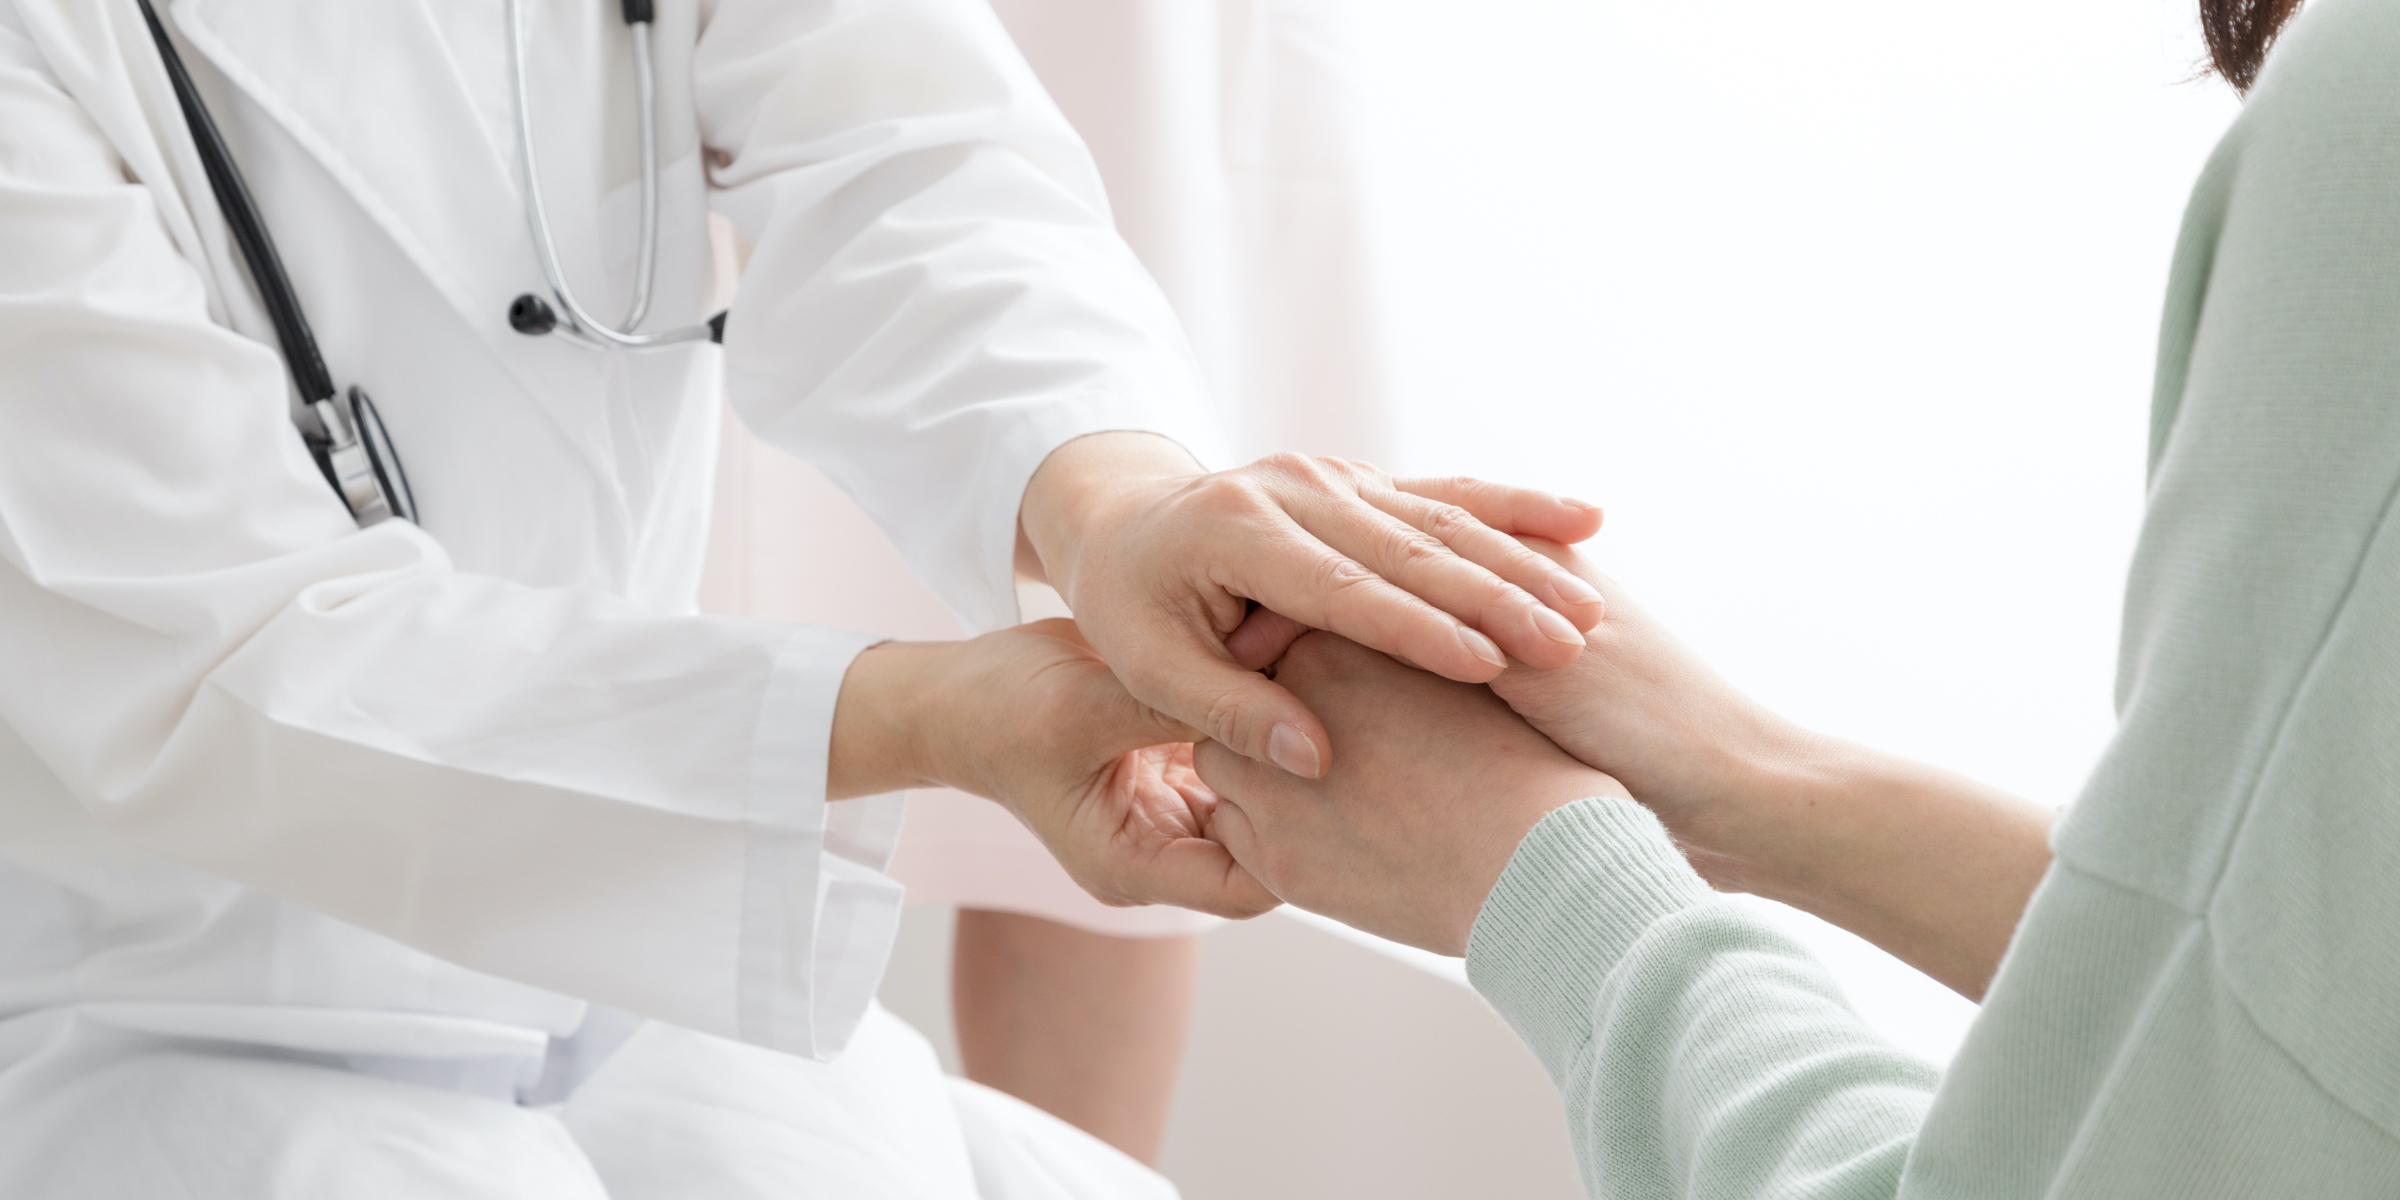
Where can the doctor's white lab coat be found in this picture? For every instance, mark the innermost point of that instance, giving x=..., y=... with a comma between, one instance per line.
x=423, y=794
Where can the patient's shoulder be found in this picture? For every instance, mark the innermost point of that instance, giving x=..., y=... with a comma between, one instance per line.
x=2331, y=89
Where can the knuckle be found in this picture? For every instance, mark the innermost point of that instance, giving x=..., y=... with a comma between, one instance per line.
x=1337, y=575
x=1446, y=521
x=1220, y=495
x=1468, y=489
x=1499, y=593
x=1350, y=470
x=1411, y=548
x=1289, y=462
x=1227, y=716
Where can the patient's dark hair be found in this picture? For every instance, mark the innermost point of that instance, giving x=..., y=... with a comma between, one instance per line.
x=2239, y=32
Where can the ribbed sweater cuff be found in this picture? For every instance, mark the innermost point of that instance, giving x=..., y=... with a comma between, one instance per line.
x=1579, y=891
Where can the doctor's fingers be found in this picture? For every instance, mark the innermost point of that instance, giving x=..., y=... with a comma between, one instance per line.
x=1518, y=511
x=1519, y=597
x=1442, y=554
x=1182, y=670
x=1384, y=584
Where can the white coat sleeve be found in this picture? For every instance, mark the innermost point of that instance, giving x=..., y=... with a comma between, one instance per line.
x=937, y=297
x=547, y=785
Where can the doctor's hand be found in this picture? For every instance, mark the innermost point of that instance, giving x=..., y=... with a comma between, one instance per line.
x=1030, y=717
x=1158, y=562
x=1406, y=834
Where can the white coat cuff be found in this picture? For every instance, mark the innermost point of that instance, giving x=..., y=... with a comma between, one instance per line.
x=818, y=914
x=1032, y=439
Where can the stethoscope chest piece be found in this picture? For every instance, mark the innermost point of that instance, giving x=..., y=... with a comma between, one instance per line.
x=344, y=434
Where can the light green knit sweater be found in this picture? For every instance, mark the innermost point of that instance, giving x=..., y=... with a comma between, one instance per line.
x=2204, y=997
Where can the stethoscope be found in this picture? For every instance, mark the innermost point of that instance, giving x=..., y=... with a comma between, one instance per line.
x=343, y=431
x=530, y=314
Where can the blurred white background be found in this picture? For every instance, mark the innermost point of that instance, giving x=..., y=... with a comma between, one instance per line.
x=1843, y=310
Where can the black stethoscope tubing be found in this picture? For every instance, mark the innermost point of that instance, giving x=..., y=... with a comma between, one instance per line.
x=345, y=435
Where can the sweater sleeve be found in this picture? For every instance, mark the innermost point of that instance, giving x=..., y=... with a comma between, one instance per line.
x=1699, y=1051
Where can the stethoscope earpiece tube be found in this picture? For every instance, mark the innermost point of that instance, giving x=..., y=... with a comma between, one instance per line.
x=531, y=315
x=249, y=229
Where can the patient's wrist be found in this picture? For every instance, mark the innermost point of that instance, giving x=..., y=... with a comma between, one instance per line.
x=1929, y=865
x=1754, y=819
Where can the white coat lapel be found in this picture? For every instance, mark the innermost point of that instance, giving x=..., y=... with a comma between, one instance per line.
x=374, y=91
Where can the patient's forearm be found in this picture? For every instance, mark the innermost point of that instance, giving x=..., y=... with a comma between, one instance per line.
x=1933, y=867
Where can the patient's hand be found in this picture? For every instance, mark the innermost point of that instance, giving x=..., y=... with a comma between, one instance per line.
x=1434, y=785
x=1646, y=709
x=1928, y=865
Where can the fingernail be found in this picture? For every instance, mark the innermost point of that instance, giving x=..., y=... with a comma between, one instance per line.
x=1585, y=505
x=1555, y=627
x=1291, y=750
x=1573, y=589
x=1482, y=647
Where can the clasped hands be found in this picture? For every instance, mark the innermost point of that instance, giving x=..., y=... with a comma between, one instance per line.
x=1084, y=730
x=1440, y=780
x=1444, y=674
x=1338, y=771
x=1433, y=781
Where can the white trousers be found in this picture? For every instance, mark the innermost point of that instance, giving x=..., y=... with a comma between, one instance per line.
x=673, y=1114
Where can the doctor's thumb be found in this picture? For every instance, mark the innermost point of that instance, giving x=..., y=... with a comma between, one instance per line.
x=1250, y=715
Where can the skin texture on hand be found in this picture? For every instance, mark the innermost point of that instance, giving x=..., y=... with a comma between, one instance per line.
x=1030, y=717
x=1931, y=866
x=1676, y=733
x=1406, y=834
x=1159, y=561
